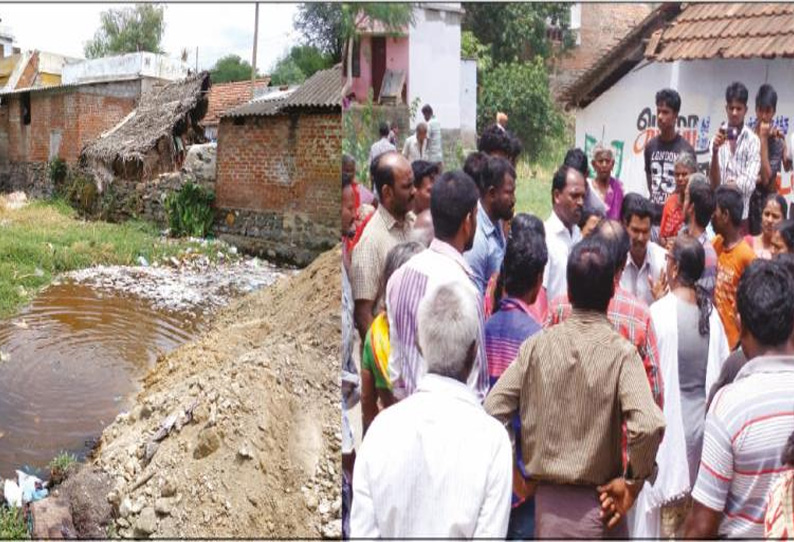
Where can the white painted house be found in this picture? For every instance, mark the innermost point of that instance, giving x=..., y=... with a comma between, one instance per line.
x=697, y=49
x=428, y=55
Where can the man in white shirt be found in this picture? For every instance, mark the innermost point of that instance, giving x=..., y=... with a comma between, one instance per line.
x=415, y=146
x=646, y=260
x=383, y=145
x=736, y=149
x=435, y=152
x=562, y=232
x=436, y=465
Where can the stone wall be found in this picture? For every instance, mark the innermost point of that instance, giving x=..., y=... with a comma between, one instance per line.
x=29, y=177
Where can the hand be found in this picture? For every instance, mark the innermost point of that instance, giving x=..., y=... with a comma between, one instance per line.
x=764, y=129
x=660, y=287
x=719, y=139
x=617, y=497
x=523, y=487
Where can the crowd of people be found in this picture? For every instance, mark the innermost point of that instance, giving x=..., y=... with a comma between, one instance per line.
x=624, y=368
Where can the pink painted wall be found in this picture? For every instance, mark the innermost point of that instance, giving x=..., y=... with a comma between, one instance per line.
x=396, y=59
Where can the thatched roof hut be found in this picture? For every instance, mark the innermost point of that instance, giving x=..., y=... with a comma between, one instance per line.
x=152, y=138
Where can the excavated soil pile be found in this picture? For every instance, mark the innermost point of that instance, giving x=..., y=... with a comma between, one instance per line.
x=238, y=434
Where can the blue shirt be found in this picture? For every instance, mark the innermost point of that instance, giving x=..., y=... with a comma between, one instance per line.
x=486, y=255
x=505, y=332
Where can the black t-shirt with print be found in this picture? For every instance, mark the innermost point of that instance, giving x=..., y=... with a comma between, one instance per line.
x=660, y=157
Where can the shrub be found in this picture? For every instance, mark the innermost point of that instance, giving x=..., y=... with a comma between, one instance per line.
x=12, y=524
x=59, y=467
x=522, y=91
x=190, y=211
x=57, y=171
x=81, y=191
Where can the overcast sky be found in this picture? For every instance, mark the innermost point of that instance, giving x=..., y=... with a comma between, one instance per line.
x=216, y=29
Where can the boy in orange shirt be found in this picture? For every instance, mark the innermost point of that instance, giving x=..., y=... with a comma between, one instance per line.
x=733, y=256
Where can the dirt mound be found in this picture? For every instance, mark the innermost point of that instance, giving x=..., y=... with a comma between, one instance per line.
x=237, y=434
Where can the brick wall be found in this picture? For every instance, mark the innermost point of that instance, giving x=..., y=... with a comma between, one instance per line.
x=65, y=120
x=603, y=25
x=278, y=181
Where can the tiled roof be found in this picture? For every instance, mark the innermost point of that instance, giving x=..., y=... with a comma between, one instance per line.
x=323, y=89
x=740, y=30
x=226, y=96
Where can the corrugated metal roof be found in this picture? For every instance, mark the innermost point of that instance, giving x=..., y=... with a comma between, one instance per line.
x=737, y=30
x=323, y=89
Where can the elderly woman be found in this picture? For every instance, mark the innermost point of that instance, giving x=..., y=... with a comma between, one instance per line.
x=673, y=213
x=608, y=189
x=692, y=346
x=774, y=212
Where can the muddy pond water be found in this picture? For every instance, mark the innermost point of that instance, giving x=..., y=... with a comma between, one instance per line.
x=71, y=362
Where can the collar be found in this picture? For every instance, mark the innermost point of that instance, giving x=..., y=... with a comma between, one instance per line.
x=450, y=387
x=485, y=221
x=766, y=364
x=513, y=303
x=588, y=317
x=445, y=249
x=555, y=225
x=649, y=255
x=388, y=219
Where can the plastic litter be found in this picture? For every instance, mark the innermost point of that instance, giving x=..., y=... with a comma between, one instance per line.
x=28, y=489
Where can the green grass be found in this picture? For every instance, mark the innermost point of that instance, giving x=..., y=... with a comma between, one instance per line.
x=533, y=186
x=46, y=238
x=62, y=461
x=12, y=524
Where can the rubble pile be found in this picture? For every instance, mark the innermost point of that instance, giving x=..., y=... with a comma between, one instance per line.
x=237, y=434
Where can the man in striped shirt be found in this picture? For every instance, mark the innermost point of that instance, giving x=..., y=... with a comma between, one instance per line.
x=749, y=420
x=736, y=150
x=573, y=385
x=505, y=331
x=453, y=205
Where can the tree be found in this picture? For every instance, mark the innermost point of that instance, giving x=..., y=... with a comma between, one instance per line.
x=128, y=30
x=300, y=63
x=516, y=30
x=522, y=89
x=321, y=25
x=230, y=68
x=286, y=72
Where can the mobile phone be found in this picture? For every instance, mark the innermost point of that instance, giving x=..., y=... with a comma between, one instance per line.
x=732, y=133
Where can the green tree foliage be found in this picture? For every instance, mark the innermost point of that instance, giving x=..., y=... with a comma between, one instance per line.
x=522, y=89
x=230, y=68
x=516, y=30
x=470, y=47
x=321, y=25
x=300, y=63
x=128, y=30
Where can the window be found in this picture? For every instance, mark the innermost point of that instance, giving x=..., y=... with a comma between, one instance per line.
x=24, y=107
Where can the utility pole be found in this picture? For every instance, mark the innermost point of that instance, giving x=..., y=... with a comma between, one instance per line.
x=196, y=58
x=253, y=62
